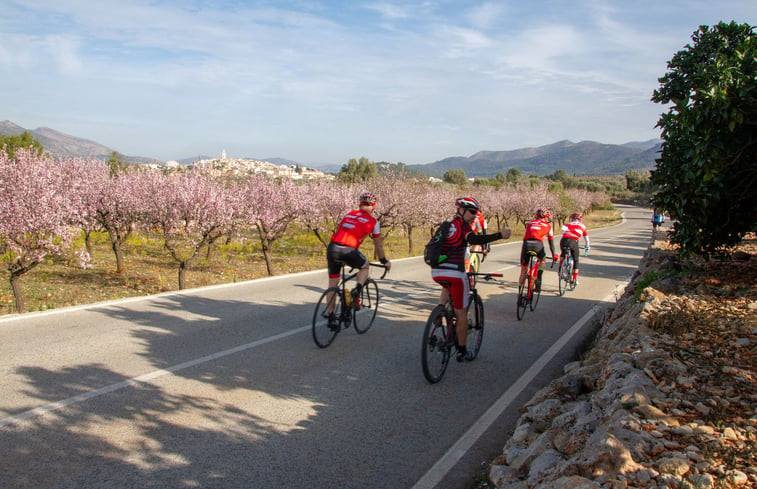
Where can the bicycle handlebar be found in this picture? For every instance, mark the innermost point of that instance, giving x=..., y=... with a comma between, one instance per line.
x=380, y=265
x=485, y=276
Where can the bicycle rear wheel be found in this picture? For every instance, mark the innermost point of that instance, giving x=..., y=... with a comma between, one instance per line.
x=571, y=282
x=563, y=277
x=535, y=294
x=475, y=325
x=323, y=335
x=363, y=316
x=436, y=348
x=523, y=296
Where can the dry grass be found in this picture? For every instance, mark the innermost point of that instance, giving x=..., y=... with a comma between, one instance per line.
x=149, y=269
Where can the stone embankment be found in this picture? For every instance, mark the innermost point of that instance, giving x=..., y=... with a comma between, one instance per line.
x=665, y=398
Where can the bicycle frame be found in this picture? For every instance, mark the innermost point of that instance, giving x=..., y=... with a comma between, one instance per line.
x=565, y=270
x=527, y=296
x=440, y=333
x=335, y=310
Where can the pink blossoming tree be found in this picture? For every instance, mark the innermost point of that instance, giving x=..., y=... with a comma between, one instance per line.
x=34, y=212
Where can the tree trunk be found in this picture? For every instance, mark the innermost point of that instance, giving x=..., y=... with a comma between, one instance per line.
x=116, y=245
x=17, y=292
x=182, y=274
x=209, y=254
x=88, y=243
x=268, y=262
x=17, y=269
x=409, y=228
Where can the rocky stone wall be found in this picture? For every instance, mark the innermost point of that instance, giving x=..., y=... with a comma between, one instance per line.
x=652, y=404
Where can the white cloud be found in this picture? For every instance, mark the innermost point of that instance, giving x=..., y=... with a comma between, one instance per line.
x=65, y=53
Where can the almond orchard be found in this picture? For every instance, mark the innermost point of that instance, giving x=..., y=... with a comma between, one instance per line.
x=52, y=209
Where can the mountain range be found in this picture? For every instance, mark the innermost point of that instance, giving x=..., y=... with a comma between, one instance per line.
x=582, y=158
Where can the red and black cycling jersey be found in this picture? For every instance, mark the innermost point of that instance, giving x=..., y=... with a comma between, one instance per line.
x=459, y=236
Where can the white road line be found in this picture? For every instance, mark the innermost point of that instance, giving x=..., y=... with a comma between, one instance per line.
x=54, y=406
x=437, y=472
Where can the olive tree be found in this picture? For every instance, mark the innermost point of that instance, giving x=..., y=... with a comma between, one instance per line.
x=707, y=172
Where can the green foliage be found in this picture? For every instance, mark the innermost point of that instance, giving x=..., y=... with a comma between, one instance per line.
x=642, y=284
x=357, y=171
x=24, y=140
x=707, y=171
x=514, y=175
x=116, y=163
x=456, y=176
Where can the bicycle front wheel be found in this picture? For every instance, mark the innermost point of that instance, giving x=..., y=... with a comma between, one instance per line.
x=436, y=348
x=523, y=296
x=475, y=325
x=365, y=312
x=323, y=334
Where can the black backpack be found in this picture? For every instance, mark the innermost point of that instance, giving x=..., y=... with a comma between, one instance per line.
x=432, y=253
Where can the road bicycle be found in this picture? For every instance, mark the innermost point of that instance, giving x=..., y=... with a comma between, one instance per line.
x=528, y=293
x=565, y=280
x=440, y=334
x=338, y=301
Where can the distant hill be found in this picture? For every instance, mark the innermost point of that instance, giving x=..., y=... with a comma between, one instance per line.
x=62, y=144
x=584, y=158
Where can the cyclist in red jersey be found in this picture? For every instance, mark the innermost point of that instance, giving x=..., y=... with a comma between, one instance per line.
x=451, y=269
x=536, y=230
x=480, y=226
x=571, y=233
x=343, y=248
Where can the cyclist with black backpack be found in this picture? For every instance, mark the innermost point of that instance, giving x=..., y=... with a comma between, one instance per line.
x=450, y=268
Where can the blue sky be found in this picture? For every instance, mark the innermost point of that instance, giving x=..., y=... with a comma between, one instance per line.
x=319, y=81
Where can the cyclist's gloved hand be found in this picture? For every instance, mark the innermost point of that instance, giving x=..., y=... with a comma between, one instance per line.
x=555, y=257
x=386, y=263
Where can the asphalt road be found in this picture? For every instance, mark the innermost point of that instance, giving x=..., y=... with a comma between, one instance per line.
x=223, y=387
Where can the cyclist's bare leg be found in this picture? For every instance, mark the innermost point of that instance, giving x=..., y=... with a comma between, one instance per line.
x=362, y=275
x=333, y=282
x=462, y=326
x=444, y=296
x=523, y=270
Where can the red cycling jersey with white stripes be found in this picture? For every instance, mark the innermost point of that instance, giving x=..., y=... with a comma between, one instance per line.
x=574, y=230
x=537, y=229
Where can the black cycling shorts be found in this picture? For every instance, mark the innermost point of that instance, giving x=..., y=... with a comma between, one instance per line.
x=338, y=255
x=532, y=245
x=571, y=245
